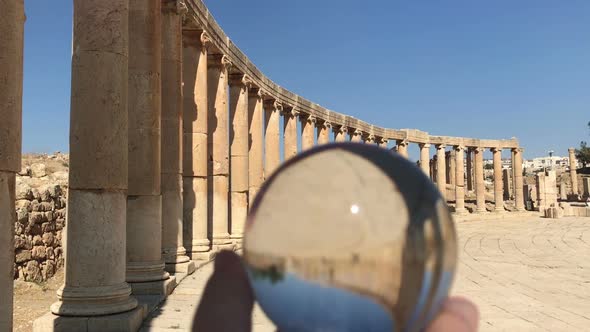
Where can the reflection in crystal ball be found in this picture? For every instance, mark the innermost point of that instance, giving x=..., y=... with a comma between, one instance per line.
x=349, y=237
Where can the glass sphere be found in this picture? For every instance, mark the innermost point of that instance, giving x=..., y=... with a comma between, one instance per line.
x=349, y=237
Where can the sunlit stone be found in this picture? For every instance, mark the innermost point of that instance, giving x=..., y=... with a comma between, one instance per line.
x=350, y=237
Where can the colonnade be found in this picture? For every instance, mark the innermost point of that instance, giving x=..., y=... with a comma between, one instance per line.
x=173, y=131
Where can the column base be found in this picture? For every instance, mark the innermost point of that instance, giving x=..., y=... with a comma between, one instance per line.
x=199, y=257
x=499, y=210
x=129, y=321
x=461, y=212
x=146, y=271
x=479, y=210
x=160, y=287
x=175, y=255
x=219, y=247
x=184, y=267
x=94, y=301
x=221, y=239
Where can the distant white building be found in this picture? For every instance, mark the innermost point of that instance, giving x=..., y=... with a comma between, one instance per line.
x=554, y=162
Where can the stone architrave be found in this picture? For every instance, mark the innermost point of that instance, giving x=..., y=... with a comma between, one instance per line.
x=239, y=136
x=307, y=132
x=323, y=132
x=11, y=90
x=256, y=144
x=425, y=158
x=272, y=140
x=290, y=116
x=340, y=133
x=357, y=136
x=173, y=250
x=480, y=188
x=195, y=150
x=95, y=279
x=459, y=180
x=144, y=200
x=441, y=181
x=518, y=179
x=218, y=117
x=402, y=147
x=573, y=171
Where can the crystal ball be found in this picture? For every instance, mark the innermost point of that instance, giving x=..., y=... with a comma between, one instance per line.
x=349, y=237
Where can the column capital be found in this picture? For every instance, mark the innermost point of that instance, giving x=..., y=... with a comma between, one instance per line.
x=289, y=111
x=371, y=138
x=174, y=7
x=205, y=39
x=383, y=140
x=440, y=146
x=519, y=149
x=324, y=123
x=459, y=148
x=357, y=132
x=240, y=79
x=343, y=129
x=404, y=142
x=310, y=118
x=477, y=149
x=496, y=149
x=571, y=150
x=424, y=145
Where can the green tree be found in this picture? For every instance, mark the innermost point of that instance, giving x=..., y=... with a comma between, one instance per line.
x=583, y=153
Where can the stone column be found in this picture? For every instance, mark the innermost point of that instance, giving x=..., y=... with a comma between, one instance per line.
x=480, y=187
x=573, y=171
x=173, y=249
x=469, y=169
x=518, y=179
x=459, y=180
x=95, y=236
x=323, y=129
x=11, y=91
x=433, y=163
x=357, y=136
x=195, y=154
x=217, y=77
x=425, y=158
x=239, y=137
x=307, y=132
x=256, y=144
x=371, y=139
x=290, y=132
x=451, y=167
x=441, y=178
x=383, y=142
x=498, y=190
x=144, y=200
x=272, y=141
x=340, y=133
x=402, y=148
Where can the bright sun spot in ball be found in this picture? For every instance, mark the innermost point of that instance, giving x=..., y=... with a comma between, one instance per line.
x=354, y=209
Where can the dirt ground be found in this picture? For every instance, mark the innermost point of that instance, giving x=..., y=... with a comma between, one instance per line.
x=32, y=300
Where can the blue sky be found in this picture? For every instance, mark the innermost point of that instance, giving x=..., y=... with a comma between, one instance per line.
x=488, y=69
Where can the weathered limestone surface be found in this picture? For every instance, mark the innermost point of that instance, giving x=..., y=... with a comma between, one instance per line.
x=460, y=180
x=307, y=132
x=441, y=181
x=498, y=190
x=256, y=144
x=518, y=179
x=290, y=133
x=173, y=250
x=340, y=134
x=469, y=169
x=272, y=141
x=144, y=200
x=546, y=190
x=11, y=89
x=195, y=142
x=573, y=170
x=480, y=188
x=425, y=158
x=323, y=130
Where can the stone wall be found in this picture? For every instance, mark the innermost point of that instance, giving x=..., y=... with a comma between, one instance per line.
x=41, y=189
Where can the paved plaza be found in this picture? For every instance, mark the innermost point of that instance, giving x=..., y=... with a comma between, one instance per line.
x=525, y=275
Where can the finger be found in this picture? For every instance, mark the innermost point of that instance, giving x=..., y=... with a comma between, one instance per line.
x=457, y=314
x=227, y=301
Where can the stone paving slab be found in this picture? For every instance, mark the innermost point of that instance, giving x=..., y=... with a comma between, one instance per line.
x=529, y=274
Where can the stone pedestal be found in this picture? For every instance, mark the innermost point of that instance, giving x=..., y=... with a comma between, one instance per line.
x=498, y=191
x=11, y=89
x=217, y=79
x=290, y=132
x=256, y=144
x=307, y=132
x=480, y=188
x=518, y=179
x=173, y=250
x=272, y=141
x=323, y=129
x=239, y=137
x=425, y=158
x=195, y=143
x=441, y=181
x=573, y=170
x=459, y=180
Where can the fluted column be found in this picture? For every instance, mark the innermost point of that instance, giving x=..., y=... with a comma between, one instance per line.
x=383, y=142
x=425, y=158
x=357, y=136
x=469, y=170
x=95, y=239
x=340, y=133
x=323, y=129
x=11, y=90
x=173, y=249
x=459, y=180
x=238, y=106
x=498, y=183
x=290, y=132
x=195, y=152
x=307, y=132
x=518, y=179
x=441, y=178
x=272, y=141
x=144, y=200
x=217, y=76
x=402, y=148
x=256, y=144
x=480, y=187
x=573, y=170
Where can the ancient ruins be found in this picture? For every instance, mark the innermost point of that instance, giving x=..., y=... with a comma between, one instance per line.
x=157, y=182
